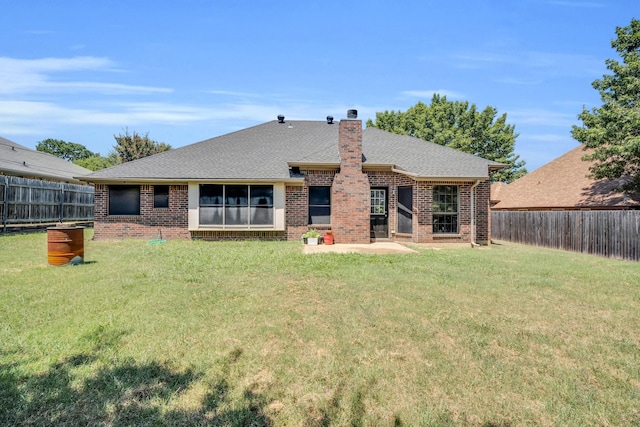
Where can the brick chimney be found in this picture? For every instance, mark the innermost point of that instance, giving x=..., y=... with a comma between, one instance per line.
x=350, y=192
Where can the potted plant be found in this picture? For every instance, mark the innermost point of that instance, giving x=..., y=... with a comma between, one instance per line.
x=311, y=236
x=328, y=237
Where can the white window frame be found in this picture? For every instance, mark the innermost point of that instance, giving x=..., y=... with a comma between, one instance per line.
x=278, y=208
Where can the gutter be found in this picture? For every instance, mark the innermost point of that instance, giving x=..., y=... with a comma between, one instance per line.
x=185, y=181
x=403, y=172
x=419, y=177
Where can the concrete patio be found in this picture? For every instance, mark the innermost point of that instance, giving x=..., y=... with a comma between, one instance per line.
x=372, y=248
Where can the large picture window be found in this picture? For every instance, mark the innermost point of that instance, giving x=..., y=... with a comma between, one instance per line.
x=445, y=209
x=320, y=205
x=124, y=200
x=405, y=209
x=236, y=205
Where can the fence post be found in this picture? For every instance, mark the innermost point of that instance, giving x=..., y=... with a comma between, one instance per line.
x=5, y=201
x=62, y=202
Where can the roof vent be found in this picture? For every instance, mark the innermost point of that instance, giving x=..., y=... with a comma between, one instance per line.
x=352, y=114
x=280, y=118
x=330, y=120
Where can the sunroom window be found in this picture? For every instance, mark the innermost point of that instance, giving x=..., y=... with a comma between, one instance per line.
x=236, y=205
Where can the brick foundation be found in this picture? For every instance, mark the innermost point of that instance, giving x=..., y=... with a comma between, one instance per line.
x=219, y=235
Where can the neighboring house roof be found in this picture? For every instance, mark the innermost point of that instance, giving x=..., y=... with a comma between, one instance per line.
x=267, y=151
x=18, y=160
x=496, y=191
x=563, y=183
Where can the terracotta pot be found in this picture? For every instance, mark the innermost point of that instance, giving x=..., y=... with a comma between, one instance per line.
x=328, y=239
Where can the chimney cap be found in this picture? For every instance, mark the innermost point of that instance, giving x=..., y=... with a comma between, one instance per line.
x=280, y=118
x=352, y=114
x=330, y=120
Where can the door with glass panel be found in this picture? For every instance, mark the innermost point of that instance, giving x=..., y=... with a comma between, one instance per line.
x=379, y=214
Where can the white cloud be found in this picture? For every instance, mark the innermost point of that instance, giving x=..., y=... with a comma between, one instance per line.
x=33, y=118
x=28, y=76
x=104, y=88
x=34, y=113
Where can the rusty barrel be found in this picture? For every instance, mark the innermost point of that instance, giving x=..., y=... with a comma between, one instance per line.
x=64, y=243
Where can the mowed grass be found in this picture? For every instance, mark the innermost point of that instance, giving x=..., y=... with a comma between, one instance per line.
x=256, y=333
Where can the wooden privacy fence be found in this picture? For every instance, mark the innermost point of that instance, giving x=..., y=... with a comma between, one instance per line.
x=26, y=201
x=613, y=234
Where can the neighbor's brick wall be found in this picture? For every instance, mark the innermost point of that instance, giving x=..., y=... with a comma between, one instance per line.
x=170, y=223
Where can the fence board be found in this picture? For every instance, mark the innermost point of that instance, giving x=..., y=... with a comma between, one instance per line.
x=614, y=234
x=30, y=201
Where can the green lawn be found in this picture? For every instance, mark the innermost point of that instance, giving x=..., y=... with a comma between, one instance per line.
x=256, y=333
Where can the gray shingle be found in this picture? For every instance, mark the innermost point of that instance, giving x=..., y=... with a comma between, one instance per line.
x=263, y=152
x=422, y=158
x=18, y=160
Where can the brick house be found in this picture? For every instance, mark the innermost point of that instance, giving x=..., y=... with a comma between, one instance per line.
x=562, y=184
x=278, y=179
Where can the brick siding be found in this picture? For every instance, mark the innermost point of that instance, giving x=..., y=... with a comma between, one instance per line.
x=169, y=223
x=483, y=213
x=217, y=235
x=350, y=192
x=350, y=206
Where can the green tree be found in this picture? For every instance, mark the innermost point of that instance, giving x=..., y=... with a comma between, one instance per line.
x=135, y=146
x=97, y=161
x=461, y=126
x=69, y=151
x=613, y=129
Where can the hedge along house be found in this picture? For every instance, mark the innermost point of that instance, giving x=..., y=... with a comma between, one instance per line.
x=278, y=179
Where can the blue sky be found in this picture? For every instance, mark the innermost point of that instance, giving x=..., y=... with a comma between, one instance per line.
x=82, y=71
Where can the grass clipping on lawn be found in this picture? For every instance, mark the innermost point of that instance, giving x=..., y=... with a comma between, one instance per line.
x=256, y=333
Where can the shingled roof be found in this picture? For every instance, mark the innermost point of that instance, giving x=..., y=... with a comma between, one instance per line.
x=18, y=160
x=266, y=152
x=563, y=183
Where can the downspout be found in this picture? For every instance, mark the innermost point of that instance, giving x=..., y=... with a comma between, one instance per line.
x=473, y=214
